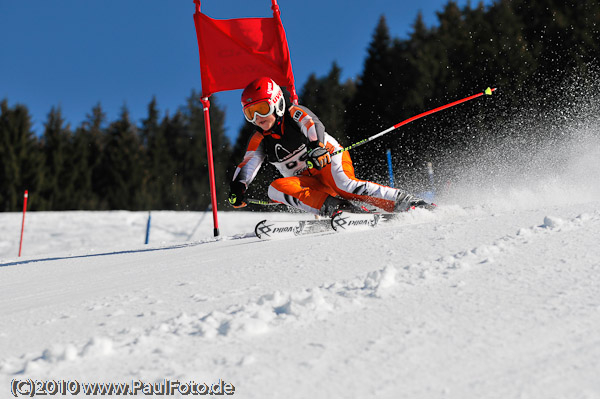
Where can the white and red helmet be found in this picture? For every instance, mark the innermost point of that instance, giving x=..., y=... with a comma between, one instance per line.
x=262, y=97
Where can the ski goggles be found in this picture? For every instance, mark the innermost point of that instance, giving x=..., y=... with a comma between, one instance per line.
x=262, y=108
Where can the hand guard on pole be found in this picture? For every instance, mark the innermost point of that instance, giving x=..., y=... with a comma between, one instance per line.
x=237, y=194
x=318, y=155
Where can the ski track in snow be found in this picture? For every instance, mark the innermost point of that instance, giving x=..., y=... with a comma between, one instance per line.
x=218, y=341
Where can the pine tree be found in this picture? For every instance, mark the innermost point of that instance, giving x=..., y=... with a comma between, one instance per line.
x=562, y=38
x=159, y=167
x=509, y=63
x=20, y=159
x=193, y=160
x=95, y=138
x=368, y=109
x=121, y=166
x=174, y=129
x=58, y=183
x=186, y=138
x=328, y=99
x=82, y=196
x=422, y=67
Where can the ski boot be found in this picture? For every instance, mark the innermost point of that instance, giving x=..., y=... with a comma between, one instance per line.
x=406, y=202
x=334, y=205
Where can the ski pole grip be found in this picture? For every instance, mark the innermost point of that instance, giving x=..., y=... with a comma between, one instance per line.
x=312, y=165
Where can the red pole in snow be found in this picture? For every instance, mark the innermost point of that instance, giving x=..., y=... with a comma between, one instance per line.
x=211, y=168
x=23, y=222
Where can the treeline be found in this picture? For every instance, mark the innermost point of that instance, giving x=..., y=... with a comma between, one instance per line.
x=525, y=48
x=161, y=164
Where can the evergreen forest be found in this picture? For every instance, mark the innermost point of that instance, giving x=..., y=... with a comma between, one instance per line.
x=528, y=49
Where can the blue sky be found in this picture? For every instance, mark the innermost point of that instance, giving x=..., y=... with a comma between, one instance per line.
x=75, y=54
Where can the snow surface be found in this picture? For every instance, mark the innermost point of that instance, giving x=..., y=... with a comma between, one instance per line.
x=496, y=294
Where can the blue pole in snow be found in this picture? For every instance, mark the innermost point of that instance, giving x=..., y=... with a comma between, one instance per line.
x=148, y=227
x=390, y=169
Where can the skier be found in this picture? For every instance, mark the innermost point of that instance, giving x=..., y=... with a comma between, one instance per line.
x=296, y=143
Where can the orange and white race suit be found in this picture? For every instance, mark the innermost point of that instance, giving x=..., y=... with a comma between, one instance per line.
x=285, y=146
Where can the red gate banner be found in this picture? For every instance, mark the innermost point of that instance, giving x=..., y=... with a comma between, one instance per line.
x=233, y=52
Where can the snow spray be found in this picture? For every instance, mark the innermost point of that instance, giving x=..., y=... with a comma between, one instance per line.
x=537, y=156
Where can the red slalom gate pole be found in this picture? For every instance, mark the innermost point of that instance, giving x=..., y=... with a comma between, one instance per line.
x=211, y=167
x=25, y=196
x=487, y=92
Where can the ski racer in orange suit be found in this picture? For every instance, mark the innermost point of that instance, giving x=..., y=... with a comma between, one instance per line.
x=292, y=140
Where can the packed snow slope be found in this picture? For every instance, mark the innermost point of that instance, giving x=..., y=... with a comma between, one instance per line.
x=496, y=294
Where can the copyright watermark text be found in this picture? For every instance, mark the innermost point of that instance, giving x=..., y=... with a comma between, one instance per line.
x=32, y=387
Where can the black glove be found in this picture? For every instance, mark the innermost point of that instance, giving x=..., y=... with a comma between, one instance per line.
x=237, y=193
x=318, y=156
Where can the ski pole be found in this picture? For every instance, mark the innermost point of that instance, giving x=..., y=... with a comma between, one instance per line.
x=487, y=92
x=254, y=201
x=262, y=202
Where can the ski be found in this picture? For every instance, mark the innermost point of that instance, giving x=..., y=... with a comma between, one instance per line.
x=341, y=221
x=269, y=229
